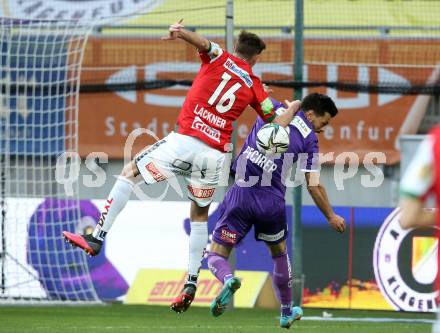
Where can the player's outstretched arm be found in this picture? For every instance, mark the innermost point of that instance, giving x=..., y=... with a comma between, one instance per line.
x=414, y=215
x=286, y=117
x=415, y=185
x=319, y=196
x=177, y=30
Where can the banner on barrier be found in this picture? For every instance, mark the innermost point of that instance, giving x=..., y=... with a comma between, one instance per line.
x=382, y=268
x=160, y=287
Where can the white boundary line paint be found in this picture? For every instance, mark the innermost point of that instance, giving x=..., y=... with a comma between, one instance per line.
x=373, y=320
x=201, y=328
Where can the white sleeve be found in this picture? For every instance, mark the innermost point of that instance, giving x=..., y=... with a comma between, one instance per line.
x=419, y=176
x=214, y=52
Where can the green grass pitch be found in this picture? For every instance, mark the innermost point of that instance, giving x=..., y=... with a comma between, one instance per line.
x=126, y=318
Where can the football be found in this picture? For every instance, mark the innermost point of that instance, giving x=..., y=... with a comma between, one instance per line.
x=272, y=139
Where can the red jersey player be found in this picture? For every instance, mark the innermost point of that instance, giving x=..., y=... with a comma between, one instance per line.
x=420, y=181
x=221, y=91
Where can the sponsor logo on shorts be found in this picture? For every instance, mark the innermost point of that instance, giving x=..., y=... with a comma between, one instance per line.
x=157, y=175
x=228, y=236
x=210, y=132
x=201, y=193
x=241, y=73
x=271, y=238
x=181, y=167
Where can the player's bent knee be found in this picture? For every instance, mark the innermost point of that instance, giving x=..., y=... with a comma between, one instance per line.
x=130, y=171
x=199, y=214
x=219, y=249
x=277, y=249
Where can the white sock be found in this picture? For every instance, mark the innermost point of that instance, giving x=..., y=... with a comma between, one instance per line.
x=436, y=326
x=198, y=238
x=117, y=199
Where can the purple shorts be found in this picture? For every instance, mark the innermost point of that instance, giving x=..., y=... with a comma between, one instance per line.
x=244, y=207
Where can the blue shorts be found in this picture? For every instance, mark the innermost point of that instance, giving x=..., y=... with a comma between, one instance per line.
x=244, y=207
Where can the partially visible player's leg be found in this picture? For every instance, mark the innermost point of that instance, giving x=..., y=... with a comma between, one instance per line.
x=218, y=262
x=153, y=163
x=271, y=227
x=116, y=201
x=219, y=266
x=206, y=168
x=234, y=222
x=198, y=238
x=206, y=165
x=282, y=280
x=436, y=326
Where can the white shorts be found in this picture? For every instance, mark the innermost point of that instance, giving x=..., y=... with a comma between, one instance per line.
x=177, y=154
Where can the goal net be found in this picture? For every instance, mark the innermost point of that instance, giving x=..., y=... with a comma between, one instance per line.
x=40, y=65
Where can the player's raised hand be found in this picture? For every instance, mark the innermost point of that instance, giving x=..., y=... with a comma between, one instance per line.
x=268, y=90
x=338, y=223
x=286, y=117
x=293, y=106
x=173, y=30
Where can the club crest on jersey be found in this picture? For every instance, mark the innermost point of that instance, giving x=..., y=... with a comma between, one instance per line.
x=241, y=73
x=210, y=132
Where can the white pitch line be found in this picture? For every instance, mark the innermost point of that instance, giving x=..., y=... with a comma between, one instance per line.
x=373, y=320
x=229, y=328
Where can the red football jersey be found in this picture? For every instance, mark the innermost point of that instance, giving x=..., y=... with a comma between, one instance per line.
x=221, y=91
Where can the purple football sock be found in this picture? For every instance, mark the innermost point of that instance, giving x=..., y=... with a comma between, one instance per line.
x=282, y=280
x=219, y=266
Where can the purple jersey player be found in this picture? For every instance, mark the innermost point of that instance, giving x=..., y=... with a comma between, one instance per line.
x=257, y=199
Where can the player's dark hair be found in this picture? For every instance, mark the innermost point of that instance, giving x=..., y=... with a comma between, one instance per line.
x=249, y=44
x=320, y=104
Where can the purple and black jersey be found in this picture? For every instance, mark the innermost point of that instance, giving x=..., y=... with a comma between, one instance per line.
x=257, y=197
x=273, y=172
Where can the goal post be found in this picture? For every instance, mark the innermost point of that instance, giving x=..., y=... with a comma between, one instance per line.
x=40, y=66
